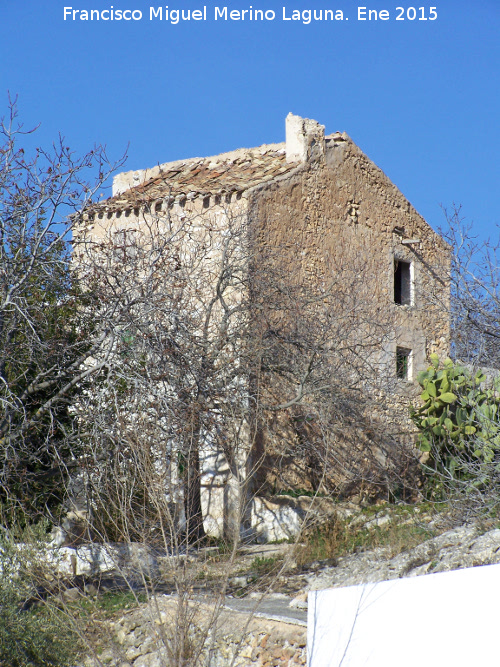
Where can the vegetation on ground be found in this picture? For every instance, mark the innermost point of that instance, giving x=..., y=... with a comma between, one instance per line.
x=459, y=426
x=31, y=635
x=338, y=538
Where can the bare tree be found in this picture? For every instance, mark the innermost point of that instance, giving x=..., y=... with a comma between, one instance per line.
x=323, y=380
x=475, y=279
x=44, y=342
x=216, y=348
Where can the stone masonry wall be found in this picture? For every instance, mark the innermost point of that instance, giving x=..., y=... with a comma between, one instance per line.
x=340, y=218
x=345, y=210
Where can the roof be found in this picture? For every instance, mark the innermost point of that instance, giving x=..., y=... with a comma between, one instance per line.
x=236, y=171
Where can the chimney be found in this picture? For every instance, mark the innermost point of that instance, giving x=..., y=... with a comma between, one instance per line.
x=305, y=139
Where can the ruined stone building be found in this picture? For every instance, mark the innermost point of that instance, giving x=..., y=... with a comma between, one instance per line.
x=318, y=213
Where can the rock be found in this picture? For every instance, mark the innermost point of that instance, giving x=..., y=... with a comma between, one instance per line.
x=239, y=582
x=299, y=602
x=161, y=619
x=281, y=517
x=149, y=660
x=378, y=521
x=265, y=642
x=71, y=594
x=121, y=636
x=133, y=652
x=75, y=528
x=58, y=537
x=246, y=652
x=107, y=657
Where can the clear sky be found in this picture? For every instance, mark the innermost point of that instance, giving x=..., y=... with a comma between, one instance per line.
x=420, y=97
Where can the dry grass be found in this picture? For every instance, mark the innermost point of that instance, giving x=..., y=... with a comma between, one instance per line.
x=338, y=538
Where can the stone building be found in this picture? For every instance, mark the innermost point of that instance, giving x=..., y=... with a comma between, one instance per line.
x=319, y=210
x=314, y=189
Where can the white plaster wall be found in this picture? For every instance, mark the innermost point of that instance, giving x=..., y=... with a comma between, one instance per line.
x=438, y=620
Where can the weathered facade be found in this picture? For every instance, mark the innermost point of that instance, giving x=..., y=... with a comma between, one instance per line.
x=325, y=196
x=321, y=214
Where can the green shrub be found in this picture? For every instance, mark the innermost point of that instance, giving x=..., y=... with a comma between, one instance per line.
x=30, y=635
x=266, y=564
x=459, y=422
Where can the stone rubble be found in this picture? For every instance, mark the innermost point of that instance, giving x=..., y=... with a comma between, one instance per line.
x=139, y=639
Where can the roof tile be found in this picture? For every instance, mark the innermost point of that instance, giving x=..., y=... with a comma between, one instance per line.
x=235, y=171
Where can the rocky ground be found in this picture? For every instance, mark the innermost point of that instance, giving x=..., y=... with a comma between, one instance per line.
x=262, y=619
x=467, y=545
x=145, y=638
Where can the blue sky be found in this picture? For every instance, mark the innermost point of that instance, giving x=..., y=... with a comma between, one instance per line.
x=421, y=98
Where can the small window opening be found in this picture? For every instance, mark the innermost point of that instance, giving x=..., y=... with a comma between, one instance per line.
x=403, y=356
x=402, y=282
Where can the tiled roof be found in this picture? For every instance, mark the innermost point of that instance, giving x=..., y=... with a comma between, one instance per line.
x=200, y=177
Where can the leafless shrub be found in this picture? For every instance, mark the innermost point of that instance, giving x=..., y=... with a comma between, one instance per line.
x=46, y=346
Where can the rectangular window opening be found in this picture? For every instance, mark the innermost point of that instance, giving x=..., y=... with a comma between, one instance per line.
x=403, y=357
x=402, y=282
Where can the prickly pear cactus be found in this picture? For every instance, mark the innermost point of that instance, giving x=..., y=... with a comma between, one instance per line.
x=459, y=418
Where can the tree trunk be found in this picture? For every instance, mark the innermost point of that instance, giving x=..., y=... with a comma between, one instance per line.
x=192, y=491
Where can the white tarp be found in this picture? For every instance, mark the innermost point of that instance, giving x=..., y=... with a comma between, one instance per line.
x=450, y=619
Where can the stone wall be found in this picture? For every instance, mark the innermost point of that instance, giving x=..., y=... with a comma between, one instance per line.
x=144, y=638
x=343, y=211
x=340, y=225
